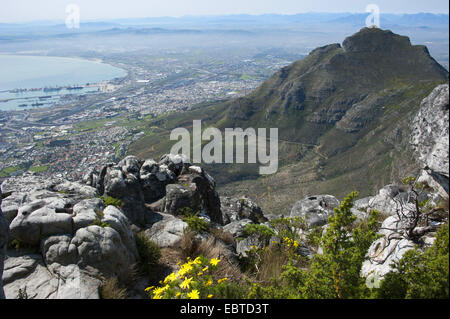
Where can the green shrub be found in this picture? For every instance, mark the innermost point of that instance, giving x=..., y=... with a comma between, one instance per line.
x=195, y=223
x=266, y=261
x=108, y=200
x=149, y=253
x=231, y=290
x=335, y=273
x=263, y=232
x=288, y=226
x=275, y=290
x=420, y=275
x=98, y=220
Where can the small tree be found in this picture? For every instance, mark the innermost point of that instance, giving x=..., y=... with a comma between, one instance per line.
x=336, y=272
x=414, y=210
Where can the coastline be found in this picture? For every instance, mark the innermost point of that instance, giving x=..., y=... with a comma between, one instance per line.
x=30, y=96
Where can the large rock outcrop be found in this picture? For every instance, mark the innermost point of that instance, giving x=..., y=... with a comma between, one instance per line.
x=235, y=209
x=4, y=230
x=69, y=236
x=400, y=231
x=172, y=181
x=430, y=138
x=28, y=276
x=315, y=210
x=394, y=242
x=167, y=231
x=65, y=239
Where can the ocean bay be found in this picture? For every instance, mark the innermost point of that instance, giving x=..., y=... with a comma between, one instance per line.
x=34, y=81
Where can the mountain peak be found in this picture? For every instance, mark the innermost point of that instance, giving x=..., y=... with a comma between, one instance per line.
x=374, y=39
x=341, y=104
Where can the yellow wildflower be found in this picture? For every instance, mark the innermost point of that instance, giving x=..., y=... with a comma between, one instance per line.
x=200, y=273
x=170, y=278
x=186, y=283
x=159, y=291
x=149, y=288
x=205, y=269
x=182, y=272
x=209, y=283
x=187, y=267
x=210, y=296
x=222, y=280
x=214, y=261
x=193, y=294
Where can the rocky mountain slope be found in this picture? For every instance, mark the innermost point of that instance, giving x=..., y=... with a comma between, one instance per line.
x=343, y=115
x=67, y=238
x=356, y=116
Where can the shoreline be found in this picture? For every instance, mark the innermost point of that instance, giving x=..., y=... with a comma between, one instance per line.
x=67, y=85
x=57, y=91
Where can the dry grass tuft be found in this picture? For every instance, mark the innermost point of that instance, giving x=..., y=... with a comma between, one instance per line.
x=112, y=290
x=212, y=247
x=272, y=262
x=224, y=236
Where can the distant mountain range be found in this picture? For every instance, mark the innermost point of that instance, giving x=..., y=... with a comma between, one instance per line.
x=264, y=20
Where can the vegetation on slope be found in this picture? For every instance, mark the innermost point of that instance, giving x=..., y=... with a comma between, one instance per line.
x=277, y=269
x=343, y=116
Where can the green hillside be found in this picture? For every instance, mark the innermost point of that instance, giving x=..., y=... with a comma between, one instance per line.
x=343, y=117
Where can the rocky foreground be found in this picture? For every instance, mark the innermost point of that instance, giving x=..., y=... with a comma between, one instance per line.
x=65, y=238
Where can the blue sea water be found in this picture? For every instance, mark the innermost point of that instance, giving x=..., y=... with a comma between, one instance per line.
x=32, y=72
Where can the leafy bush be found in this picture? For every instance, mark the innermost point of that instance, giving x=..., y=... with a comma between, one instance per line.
x=420, y=274
x=275, y=290
x=288, y=227
x=263, y=232
x=333, y=274
x=336, y=272
x=195, y=223
x=266, y=261
x=230, y=290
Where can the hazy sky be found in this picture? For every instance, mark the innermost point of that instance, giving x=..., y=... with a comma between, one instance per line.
x=29, y=10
